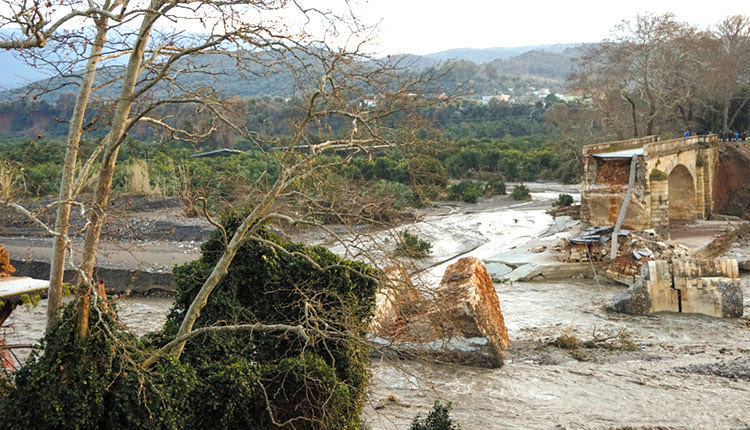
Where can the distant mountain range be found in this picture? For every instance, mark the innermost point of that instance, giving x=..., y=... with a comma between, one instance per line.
x=484, y=71
x=487, y=55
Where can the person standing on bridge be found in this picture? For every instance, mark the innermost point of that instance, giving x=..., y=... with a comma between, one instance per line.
x=687, y=133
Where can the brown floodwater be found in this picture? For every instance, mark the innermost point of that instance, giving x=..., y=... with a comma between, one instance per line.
x=687, y=371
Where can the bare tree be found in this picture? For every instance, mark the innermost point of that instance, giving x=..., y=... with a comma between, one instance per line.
x=644, y=68
x=728, y=62
x=322, y=53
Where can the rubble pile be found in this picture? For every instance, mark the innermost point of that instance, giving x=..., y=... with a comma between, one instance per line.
x=462, y=321
x=573, y=211
x=634, y=248
x=710, y=287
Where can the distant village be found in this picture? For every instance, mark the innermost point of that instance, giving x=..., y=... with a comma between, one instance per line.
x=528, y=95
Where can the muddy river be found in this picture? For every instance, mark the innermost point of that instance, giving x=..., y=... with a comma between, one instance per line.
x=687, y=371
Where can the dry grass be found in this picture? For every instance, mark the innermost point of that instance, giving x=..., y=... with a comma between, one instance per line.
x=10, y=178
x=138, y=181
x=617, y=342
x=185, y=190
x=567, y=340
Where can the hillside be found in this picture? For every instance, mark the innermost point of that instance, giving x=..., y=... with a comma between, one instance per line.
x=487, y=55
x=480, y=71
x=545, y=64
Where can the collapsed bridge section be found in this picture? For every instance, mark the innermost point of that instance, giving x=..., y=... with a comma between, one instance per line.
x=673, y=180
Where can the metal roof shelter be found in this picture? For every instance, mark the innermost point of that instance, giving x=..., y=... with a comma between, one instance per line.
x=628, y=153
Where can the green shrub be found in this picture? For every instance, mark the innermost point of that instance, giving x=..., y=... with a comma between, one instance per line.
x=563, y=200
x=323, y=384
x=396, y=193
x=412, y=246
x=496, y=186
x=658, y=175
x=468, y=191
x=520, y=193
x=96, y=383
x=438, y=419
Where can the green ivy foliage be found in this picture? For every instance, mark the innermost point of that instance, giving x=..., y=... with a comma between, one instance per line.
x=223, y=381
x=95, y=383
x=264, y=284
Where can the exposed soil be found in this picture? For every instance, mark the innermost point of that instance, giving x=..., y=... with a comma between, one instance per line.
x=731, y=191
x=128, y=218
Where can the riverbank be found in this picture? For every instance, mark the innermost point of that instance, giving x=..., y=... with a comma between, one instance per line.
x=684, y=371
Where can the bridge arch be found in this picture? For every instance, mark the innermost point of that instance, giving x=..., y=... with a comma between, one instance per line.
x=681, y=189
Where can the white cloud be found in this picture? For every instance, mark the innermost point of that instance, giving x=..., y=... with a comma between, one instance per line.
x=421, y=26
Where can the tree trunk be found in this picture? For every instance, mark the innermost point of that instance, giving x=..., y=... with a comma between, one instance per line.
x=222, y=266
x=737, y=111
x=650, y=122
x=104, y=180
x=633, y=114
x=725, y=116
x=62, y=220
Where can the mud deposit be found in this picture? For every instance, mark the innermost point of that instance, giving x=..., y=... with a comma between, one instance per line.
x=688, y=371
x=682, y=371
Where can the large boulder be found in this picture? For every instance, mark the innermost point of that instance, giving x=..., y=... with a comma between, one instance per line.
x=466, y=306
x=710, y=287
x=395, y=301
x=460, y=322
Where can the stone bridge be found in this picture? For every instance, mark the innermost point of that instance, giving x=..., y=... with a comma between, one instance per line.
x=673, y=181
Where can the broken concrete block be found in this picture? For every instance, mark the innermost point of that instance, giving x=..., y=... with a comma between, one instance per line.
x=498, y=270
x=709, y=287
x=397, y=298
x=524, y=273
x=634, y=300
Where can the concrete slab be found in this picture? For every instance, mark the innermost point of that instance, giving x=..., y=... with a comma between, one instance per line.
x=700, y=236
x=523, y=273
x=16, y=286
x=498, y=270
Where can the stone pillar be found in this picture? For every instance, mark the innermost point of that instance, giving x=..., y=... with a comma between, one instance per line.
x=700, y=192
x=708, y=159
x=659, y=192
x=588, y=179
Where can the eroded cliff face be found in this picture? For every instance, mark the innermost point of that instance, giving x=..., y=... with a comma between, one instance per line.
x=732, y=183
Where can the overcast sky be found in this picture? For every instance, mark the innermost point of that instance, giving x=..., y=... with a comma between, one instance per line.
x=423, y=26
